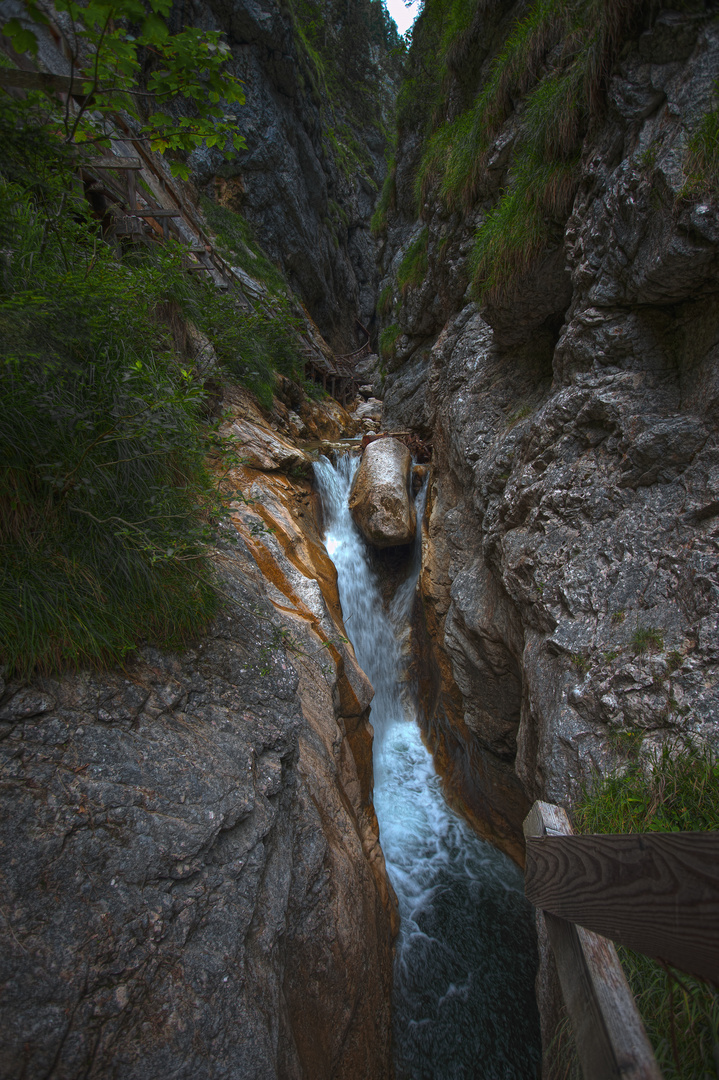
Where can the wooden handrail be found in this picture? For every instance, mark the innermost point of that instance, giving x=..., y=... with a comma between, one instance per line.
x=656, y=893
x=609, y=1034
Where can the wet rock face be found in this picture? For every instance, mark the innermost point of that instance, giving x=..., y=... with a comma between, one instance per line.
x=192, y=879
x=570, y=580
x=380, y=497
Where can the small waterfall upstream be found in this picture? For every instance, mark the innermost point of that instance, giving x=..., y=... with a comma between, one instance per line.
x=464, y=1004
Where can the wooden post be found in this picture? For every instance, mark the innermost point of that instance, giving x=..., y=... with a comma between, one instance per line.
x=131, y=197
x=609, y=1034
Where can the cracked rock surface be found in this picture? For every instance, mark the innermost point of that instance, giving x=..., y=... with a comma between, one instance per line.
x=192, y=883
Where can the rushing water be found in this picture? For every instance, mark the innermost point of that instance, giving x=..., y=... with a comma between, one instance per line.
x=464, y=1005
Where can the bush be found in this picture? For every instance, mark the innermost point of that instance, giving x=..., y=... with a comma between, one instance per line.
x=679, y=790
x=102, y=486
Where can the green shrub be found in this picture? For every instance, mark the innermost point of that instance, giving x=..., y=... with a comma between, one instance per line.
x=413, y=268
x=106, y=509
x=253, y=345
x=102, y=484
x=679, y=790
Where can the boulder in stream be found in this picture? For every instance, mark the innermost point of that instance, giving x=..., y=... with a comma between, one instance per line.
x=380, y=499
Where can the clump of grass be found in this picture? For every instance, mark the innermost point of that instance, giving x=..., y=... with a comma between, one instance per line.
x=385, y=300
x=625, y=741
x=520, y=413
x=413, y=268
x=674, y=660
x=387, y=201
x=556, y=59
x=678, y=790
x=388, y=340
x=701, y=165
x=646, y=638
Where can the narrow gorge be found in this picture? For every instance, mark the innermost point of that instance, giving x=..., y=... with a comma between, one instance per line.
x=360, y=487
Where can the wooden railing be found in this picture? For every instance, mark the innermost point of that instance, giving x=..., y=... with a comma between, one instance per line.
x=656, y=893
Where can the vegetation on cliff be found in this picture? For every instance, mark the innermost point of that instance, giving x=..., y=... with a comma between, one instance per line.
x=105, y=507
x=351, y=56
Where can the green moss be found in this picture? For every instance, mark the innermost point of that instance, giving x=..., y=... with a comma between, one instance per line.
x=413, y=268
x=388, y=340
x=678, y=790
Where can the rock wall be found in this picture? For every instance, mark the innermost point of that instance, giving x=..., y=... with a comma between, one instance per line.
x=192, y=879
x=570, y=584
x=309, y=177
x=570, y=579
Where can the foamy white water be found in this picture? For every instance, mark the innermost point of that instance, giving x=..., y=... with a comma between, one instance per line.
x=464, y=1004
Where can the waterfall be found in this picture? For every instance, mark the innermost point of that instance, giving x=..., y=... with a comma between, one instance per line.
x=463, y=1001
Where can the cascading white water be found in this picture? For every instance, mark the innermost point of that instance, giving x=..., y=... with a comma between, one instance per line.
x=464, y=1004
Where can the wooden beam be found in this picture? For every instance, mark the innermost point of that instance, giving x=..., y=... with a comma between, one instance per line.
x=609, y=1034
x=41, y=80
x=159, y=214
x=657, y=893
x=114, y=163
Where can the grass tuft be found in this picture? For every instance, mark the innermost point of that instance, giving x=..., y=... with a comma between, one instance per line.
x=388, y=340
x=413, y=268
x=646, y=639
x=551, y=71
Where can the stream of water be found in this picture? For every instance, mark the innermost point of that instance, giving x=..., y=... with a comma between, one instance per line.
x=464, y=1005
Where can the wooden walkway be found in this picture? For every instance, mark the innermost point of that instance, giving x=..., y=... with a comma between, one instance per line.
x=140, y=201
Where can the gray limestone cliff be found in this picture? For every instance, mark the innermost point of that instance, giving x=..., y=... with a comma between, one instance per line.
x=319, y=84
x=570, y=576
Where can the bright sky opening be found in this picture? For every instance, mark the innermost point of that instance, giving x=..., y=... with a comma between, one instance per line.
x=403, y=16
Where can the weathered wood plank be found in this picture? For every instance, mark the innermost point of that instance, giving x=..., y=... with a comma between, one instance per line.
x=158, y=214
x=609, y=1034
x=115, y=163
x=40, y=80
x=657, y=893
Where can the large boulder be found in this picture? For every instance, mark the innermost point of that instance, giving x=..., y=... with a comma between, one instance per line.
x=380, y=497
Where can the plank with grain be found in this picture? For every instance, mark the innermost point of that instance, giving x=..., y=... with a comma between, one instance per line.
x=609, y=1035
x=657, y=893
